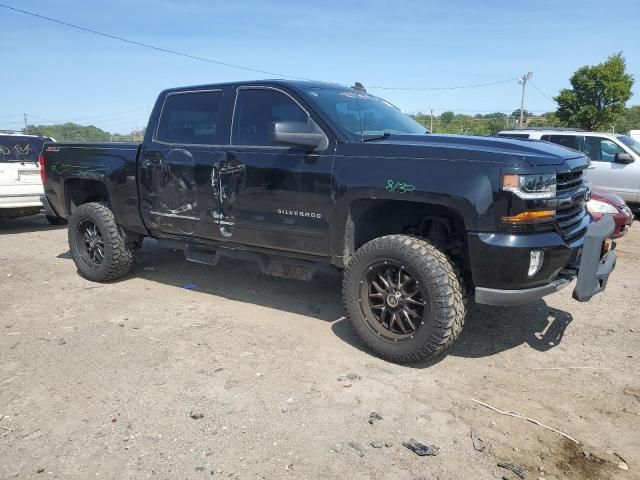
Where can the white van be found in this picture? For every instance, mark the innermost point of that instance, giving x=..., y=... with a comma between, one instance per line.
x=20, y=183
x=615, y=159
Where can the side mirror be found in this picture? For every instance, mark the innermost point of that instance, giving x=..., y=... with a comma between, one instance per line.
x=297, y=134
x=623, y=158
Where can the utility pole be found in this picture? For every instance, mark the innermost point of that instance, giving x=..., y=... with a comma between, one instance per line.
x=26, y=126
x=431, y=124
x=523, y=81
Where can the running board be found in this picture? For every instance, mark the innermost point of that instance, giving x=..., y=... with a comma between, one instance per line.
x=270, y=265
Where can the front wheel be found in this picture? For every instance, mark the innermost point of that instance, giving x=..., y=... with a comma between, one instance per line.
x=97, y=244
x=404, y=297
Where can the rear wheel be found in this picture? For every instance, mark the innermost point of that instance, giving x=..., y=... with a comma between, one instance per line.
x=405, y=298
x=97, y=244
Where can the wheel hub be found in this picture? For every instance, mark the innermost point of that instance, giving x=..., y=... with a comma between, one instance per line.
x=392, y=300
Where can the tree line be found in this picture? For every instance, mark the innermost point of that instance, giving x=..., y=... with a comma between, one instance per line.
x=596, y=101
x=73, y=132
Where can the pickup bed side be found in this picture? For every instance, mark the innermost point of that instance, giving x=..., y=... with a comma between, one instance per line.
x=101, y=172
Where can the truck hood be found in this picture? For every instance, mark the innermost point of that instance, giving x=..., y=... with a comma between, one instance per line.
x=507, y=151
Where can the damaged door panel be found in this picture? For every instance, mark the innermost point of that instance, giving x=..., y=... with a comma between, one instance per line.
x=179, y=183
x=180, y=191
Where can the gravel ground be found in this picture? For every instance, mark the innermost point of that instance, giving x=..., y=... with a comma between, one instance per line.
x=248, y=376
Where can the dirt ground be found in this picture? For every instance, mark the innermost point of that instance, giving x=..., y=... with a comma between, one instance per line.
x=252, y=377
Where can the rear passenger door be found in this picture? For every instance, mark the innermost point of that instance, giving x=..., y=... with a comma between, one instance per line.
x=273, y=196
x=177, y=174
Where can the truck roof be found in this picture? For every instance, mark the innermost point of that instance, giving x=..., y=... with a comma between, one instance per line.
x=280, y=82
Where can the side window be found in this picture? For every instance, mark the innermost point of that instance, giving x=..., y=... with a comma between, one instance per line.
x=189, y=118
x=569, y=141
x=601, y=149
x=255, y=111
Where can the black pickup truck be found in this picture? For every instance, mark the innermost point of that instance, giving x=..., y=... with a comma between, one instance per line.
x=304, y=176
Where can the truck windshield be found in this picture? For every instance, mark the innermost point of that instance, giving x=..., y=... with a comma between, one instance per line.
x=14, y=148
x=361, y=114
x=630, y=142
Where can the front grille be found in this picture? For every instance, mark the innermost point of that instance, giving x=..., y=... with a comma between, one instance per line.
x=569, y=218
x=569, y=181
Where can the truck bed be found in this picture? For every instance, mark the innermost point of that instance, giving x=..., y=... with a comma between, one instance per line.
x=90, y=167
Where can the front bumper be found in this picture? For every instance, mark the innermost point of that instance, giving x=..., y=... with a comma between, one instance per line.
x=592, y=271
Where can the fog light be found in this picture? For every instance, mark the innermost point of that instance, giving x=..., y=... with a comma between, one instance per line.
x=535, y=263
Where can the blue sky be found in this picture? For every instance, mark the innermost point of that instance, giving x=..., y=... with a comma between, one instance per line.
x=56, y=73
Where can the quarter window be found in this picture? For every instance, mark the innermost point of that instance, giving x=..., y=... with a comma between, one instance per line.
x=601, y=149
x=256, y=110
x=190, y=118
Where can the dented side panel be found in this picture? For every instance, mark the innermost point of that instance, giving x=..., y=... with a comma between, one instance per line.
x=179, y=190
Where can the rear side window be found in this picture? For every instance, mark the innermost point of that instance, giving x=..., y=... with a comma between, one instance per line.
x=569, y=141
x=14, y=148
x=255, y=111
x=190, y=118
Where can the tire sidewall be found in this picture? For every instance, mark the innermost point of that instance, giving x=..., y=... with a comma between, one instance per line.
x=82, y=213
x=422, y=267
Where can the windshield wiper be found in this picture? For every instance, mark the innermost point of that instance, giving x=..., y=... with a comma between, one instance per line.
x=376, y=137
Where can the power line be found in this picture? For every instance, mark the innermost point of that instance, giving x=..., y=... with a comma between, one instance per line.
x=146, y=45
x=457, y=87
x=542, y=93
x=231, y=65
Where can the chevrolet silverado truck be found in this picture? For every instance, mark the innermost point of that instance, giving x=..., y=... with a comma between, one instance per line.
x=303, y=177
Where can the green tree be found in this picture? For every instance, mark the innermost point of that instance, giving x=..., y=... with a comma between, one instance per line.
x=446, y=118
x=71, y=132
x=516, y=114
x=598, y=95
x=630, y=120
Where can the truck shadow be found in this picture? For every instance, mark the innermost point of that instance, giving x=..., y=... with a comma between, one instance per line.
x=31, y=223
x=488, y=330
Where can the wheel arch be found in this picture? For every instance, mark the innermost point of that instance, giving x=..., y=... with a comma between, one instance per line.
x=78, y=191
x=369, y=218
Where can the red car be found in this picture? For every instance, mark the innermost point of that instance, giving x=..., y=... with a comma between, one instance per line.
x=603, y=201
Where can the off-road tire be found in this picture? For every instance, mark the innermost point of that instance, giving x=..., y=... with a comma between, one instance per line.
x=441, y=286
x=53, y=220
x=118, y=256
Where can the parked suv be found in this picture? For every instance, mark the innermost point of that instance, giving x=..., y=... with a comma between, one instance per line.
x=615, y=159
x=21, y=190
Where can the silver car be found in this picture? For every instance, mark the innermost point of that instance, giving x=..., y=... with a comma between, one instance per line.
x=615, y=159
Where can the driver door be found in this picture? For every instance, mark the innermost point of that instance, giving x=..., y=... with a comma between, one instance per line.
x=605, y=172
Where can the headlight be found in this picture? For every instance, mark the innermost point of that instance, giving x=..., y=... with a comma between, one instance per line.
x=531, y=186
x=596, y=206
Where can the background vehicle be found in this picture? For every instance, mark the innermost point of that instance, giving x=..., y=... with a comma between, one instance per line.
x=303, y=176
x=604, y=202
x=21, y=190
x=615, y=158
